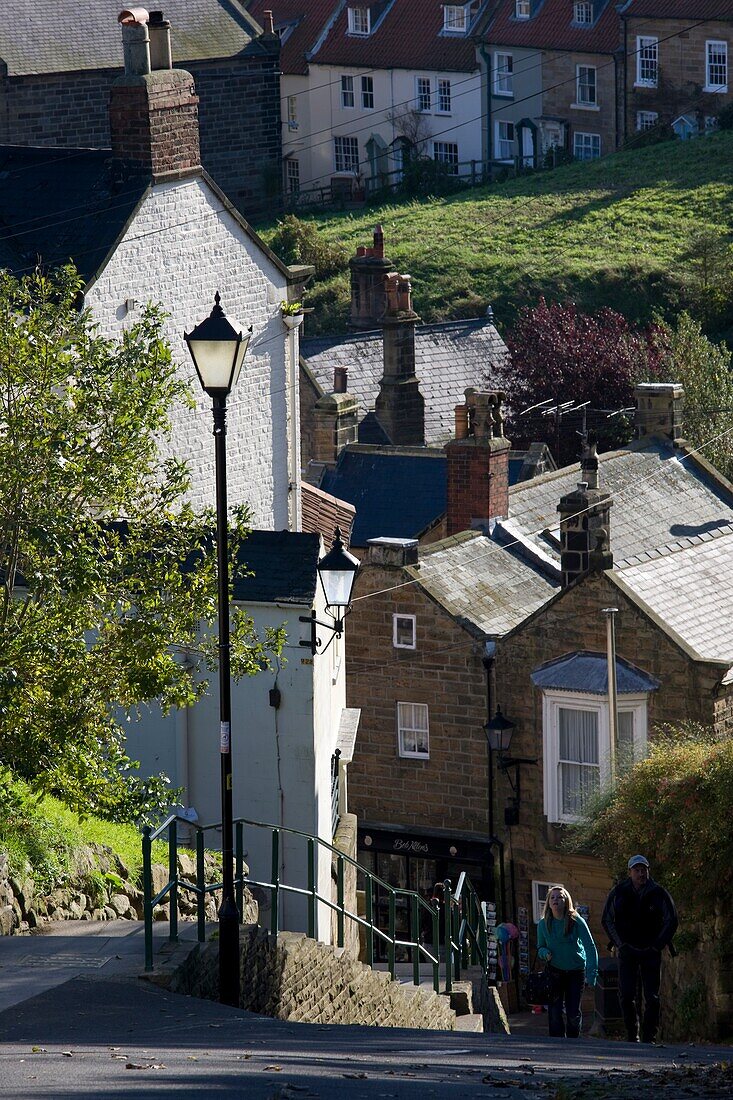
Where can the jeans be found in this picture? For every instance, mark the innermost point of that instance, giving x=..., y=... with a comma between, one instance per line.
x=567, y=991
x=633, y=965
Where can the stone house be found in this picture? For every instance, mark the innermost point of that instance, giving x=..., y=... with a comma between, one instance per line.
x=677, y=63
x=508, y=612
x=368, y=85
x=550, y=77
x=58, y=64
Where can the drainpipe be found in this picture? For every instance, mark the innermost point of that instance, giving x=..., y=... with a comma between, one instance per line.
x=610, y=613
x=293, y=323
x=486, y=57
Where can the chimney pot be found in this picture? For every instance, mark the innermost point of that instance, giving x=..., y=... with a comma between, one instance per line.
x=340, y=377
x=461, y=422
x=268, y=23
x=135, y=41
x=159, y=30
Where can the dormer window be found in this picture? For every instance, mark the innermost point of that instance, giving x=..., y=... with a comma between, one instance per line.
x=583, y=13
x=522, y=9
x=359, y=22
x=455, y=18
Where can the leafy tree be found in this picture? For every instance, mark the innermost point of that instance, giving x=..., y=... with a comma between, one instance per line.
x=105, y=573
x=562, y=354
x=687, y=356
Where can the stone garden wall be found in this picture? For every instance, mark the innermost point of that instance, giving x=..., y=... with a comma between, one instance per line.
x=101, y=889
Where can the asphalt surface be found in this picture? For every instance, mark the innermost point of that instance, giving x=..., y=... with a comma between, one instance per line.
x=78, y=1021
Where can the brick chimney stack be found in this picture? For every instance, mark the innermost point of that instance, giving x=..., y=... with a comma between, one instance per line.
x=478, y=463
x=153, y=107
x=659, y=410
x=400, y=407
x=585, y=523
x=369, y=268
x=336, y=417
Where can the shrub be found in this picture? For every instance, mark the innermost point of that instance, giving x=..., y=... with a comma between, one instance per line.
x=674, y=807
x=299, y=242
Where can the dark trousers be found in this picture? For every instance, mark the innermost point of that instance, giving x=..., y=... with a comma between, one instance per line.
x=647, y=966
x=567, y=989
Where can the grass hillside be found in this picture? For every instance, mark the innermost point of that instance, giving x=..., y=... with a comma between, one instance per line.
x=614, y=232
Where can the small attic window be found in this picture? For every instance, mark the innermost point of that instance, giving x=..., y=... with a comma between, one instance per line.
x=583, y=12
x=359, y=21
x=455, y=18
x=522, y=9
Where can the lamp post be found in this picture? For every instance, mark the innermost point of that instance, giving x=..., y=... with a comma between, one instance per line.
x=498, y=732
x=218, y=351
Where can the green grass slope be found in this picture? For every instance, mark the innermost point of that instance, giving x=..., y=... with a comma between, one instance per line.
x=613, y=232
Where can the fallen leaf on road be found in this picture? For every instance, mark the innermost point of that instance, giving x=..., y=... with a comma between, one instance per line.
x=355, y=1076
x=67, y=1054
x=150, y=1065
x=275, y=1069
x=38, y=1050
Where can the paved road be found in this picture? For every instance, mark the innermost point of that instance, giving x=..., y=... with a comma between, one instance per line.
x=77, y=1021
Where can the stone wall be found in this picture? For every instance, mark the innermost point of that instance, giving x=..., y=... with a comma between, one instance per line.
x=101, y=889
x=239, y=118
x=345, y=840
x=559, y=98
x=697, y=985
x=304, y=981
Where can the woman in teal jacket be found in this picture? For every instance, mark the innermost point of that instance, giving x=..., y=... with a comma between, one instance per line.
x=565, y=943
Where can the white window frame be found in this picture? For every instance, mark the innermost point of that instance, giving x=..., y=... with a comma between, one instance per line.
x=505, y=141
x=645, y=42
x=583, y=13
x=367, y=93
x=722, y=46
x=423, y=86
x=443, y=96
x=348, y=98
x=504, y=76
x=360, y=21
x=539, y=897
x=446, y=152
x=413, y=754
x=583, y=88
x=345, y=138
x=292, y=175
x=455, y=18
x=292, y=112
x=404, y=645
x=592, y=144
x=522, y=9
x=646, y=120
x=552, y=703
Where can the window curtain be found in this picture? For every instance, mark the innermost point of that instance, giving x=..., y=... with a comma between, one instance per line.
x=579, y=762
x=625, y=747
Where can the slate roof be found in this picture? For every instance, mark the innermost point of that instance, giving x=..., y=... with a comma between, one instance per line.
x=588, y=672
x=284, y=567
x=690, y=10
x=62, y=205
x=323, y=513
x=449, y=358
x=408, y=35
x=552, y=28
x=48, y=36
x=487, y=588
x=305, y=20
x=396, y=495
x=659, y=498
x=690, y=587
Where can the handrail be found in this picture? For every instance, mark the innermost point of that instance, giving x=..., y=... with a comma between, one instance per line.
x=454, y=946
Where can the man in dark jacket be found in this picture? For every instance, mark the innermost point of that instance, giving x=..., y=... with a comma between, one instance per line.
x=641, y=920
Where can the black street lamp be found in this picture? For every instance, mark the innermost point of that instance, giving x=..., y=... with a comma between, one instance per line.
x=337, y=571
x=218, y=351
x=498, y=732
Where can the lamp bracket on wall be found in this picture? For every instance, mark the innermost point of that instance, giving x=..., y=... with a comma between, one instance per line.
x=314, y=643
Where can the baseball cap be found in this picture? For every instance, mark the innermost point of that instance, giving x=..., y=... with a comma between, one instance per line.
x=636, y=860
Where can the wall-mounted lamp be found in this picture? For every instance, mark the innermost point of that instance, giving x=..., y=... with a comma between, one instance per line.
x=337, y=570
x=499, y=731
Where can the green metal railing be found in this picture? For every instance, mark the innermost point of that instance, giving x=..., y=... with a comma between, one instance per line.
x=465, y=934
